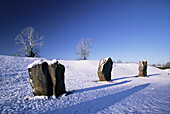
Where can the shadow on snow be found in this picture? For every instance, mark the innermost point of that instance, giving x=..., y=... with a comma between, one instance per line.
x=153, y=75
x=100, y=103
x=134, y=77
x=124, y=78
x=99, y=87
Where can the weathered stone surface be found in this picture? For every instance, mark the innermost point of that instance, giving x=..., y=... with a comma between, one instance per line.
x=143, y=68
x=57, y=74
x=47, y=79
x=140, y=69
x=40, y=80
x=104, y=69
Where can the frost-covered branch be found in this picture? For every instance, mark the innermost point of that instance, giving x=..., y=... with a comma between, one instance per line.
x=29, y=39
x=83, y=48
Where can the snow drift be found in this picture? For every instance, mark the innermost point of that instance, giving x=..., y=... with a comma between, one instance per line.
x=126, y=93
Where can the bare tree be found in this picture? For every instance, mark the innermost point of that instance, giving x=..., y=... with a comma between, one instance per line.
x=168, y=64
x=83, y=48
x=154, y=65
x=29, y=39
x=119, y=61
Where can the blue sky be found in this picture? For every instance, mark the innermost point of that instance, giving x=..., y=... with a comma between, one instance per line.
x=127, y=30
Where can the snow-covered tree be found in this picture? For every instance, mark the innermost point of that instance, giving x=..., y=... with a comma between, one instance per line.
x=83, y=48
x=29, y=39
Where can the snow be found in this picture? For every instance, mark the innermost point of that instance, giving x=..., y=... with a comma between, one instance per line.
x=40, y=61
x=50, y=62
x=167, y=71
x=102, y=62
x=35, y=63
x=126, y=93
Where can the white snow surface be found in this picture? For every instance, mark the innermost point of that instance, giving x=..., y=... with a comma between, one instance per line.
x=126, y=93
x=40, y=61
x=167, y=71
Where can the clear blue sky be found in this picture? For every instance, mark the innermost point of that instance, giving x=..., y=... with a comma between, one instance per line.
x=127, y=30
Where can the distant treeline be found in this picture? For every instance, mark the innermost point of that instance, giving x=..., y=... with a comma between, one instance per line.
x=164, y=66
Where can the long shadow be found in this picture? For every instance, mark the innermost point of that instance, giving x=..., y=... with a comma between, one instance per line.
x=153, y=75
x=99, y=87
x=98, y=104
x=124, y=78
x=133, y=77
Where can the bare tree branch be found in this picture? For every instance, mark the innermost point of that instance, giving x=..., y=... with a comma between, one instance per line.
x=83, y=48
x=29, y=39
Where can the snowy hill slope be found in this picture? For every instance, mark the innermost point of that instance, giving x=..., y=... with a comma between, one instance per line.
x=126, y=93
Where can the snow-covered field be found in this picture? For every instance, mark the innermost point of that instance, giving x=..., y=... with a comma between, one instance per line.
x=126, y=93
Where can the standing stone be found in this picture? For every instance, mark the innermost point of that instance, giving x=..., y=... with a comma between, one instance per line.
x=142, y=68
x=145, y=68
x=40, y=80
x=104, y=69
x=57, y=74
x=47, y=78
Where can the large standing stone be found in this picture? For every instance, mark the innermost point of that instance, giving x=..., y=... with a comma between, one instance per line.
x=142, y=68
x=104, y=69
x=57, y=74
x=47, y=78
